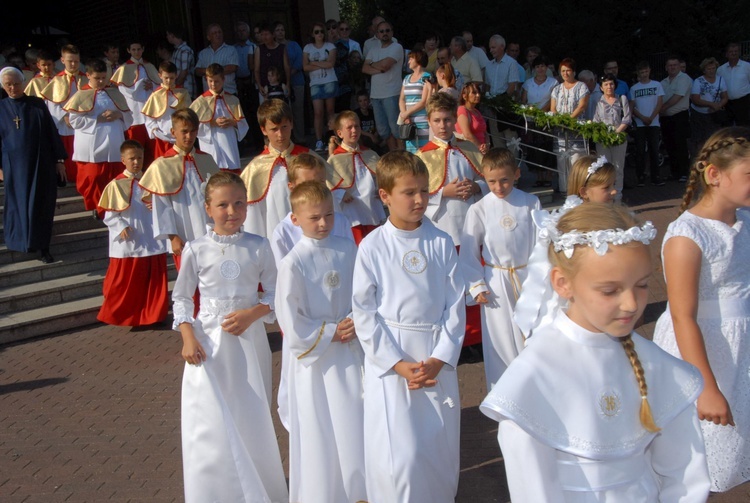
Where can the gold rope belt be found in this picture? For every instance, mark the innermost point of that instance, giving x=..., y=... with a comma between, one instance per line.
x=514, y=279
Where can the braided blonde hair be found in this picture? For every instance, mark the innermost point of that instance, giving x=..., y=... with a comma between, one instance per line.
x=721, y=150
x=593, y=217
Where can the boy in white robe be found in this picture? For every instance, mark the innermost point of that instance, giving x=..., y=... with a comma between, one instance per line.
x=356, y=164
x=136, y=79
x=497, y=240
x=176, y=180
x=266, y=175
x=222, y=120
x=324, y=380
x=57, y=93
x=408, y=306
x=160, y=106
x=135, y=287
x=99, y=115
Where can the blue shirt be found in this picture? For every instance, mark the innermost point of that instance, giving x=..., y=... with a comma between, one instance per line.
x=294, y=54
x=243, y=51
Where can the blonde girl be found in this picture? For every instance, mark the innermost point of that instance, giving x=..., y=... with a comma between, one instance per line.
x=591, y=411
x=229, y=448
x=592, y=179
x=708, y=288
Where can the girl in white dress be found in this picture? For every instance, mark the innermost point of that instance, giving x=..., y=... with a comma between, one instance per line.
x=592, y=179
x=708, y=289
x=229, y=448
x=590, y=411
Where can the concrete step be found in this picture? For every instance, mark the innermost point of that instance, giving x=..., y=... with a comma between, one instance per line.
x=52, y=318
x=69, y=264
x=72, y=222
x=62, y=244
x=55, y=291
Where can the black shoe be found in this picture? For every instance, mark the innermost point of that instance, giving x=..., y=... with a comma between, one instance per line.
x=657, y=181
x=95, y=215
x=46, y=257
x=641, y=182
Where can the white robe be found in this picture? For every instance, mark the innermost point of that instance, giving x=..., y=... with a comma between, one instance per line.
x=96, y=141
x=229, y=446
x=137, y=95
x=366, y=208
x=264, y=215
x=183, y=213
x=161, y=127
x=448, y=213
x=222, y=143
x=408, y=304
x=141, y=242
x=326, y=412
x=286, y=234
x=502, y=233
x=568, y=409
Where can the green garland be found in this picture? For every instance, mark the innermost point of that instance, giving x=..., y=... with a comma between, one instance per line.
x=597, y=132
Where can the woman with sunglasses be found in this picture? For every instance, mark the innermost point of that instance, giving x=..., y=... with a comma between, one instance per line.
x=318, y=60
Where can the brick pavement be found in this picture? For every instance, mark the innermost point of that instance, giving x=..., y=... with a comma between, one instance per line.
x=93, y=415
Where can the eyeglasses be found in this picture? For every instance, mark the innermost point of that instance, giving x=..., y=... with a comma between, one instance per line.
x=318, y=32
x=344, y=28
x=387, y=30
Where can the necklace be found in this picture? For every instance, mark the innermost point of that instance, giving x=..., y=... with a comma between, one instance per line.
x=222, y=247
x=17, y=118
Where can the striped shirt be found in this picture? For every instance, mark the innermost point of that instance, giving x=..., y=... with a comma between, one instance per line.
x=183, y=58
x=224, y=55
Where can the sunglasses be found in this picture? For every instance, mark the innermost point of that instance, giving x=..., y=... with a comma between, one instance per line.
x=384, y=31
x=317, y=32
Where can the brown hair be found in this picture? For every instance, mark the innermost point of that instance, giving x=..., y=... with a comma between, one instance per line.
x=186, y=116
x=441, y=102
x=303, y=161
x=214, y=70
x=69, y=49
x=419, y=56
x=569, y=62
x=167, y=67
x=274, y=110
x=397, y=164
x=604, y=176
x=499, y=158
x=448, y=73
x=221, y=179
x=721, y=150
x=309, y=192
x=468, y=87
x=130, y=144
x=342, y=116
x=594, y=217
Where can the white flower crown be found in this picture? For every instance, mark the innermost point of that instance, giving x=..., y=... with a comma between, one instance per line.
x=600, y=240
x=595, y=166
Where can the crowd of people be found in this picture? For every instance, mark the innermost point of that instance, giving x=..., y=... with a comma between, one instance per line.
x=386, y=249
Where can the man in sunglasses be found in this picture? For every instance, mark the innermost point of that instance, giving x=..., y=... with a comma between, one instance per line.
x=383, y=64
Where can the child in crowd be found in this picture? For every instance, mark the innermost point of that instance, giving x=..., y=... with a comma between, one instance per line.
x=111, y=58
x=575, y=413
x=276, y=88
x=497, y=240
x=302, y=168
x=58, y=92
x=708, y=289
x=135, y=287
x=137, y=79
x=175, y=180
x=223, y=123
x=412, y=346
x=356, y=165
x=455, y=183
x=646, y=97
x=592, y=179
x=370, y=137
x=45, y=65
x=99, y=116
x=229, y=448
x=266, y=175
x=325, y=364
x=160, y=106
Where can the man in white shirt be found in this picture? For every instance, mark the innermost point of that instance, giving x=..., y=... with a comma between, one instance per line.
x=383, y=64
x=737, y=74
x=463, y=62
x=475, y=52
x=221, y=53
x=595, y=93
x=675, y=118
x=501, y=77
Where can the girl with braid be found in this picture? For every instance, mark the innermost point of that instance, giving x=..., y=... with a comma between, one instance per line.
x=591, y=411
x=708, y=288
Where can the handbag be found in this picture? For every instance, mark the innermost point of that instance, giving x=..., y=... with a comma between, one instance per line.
x=407, y=131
